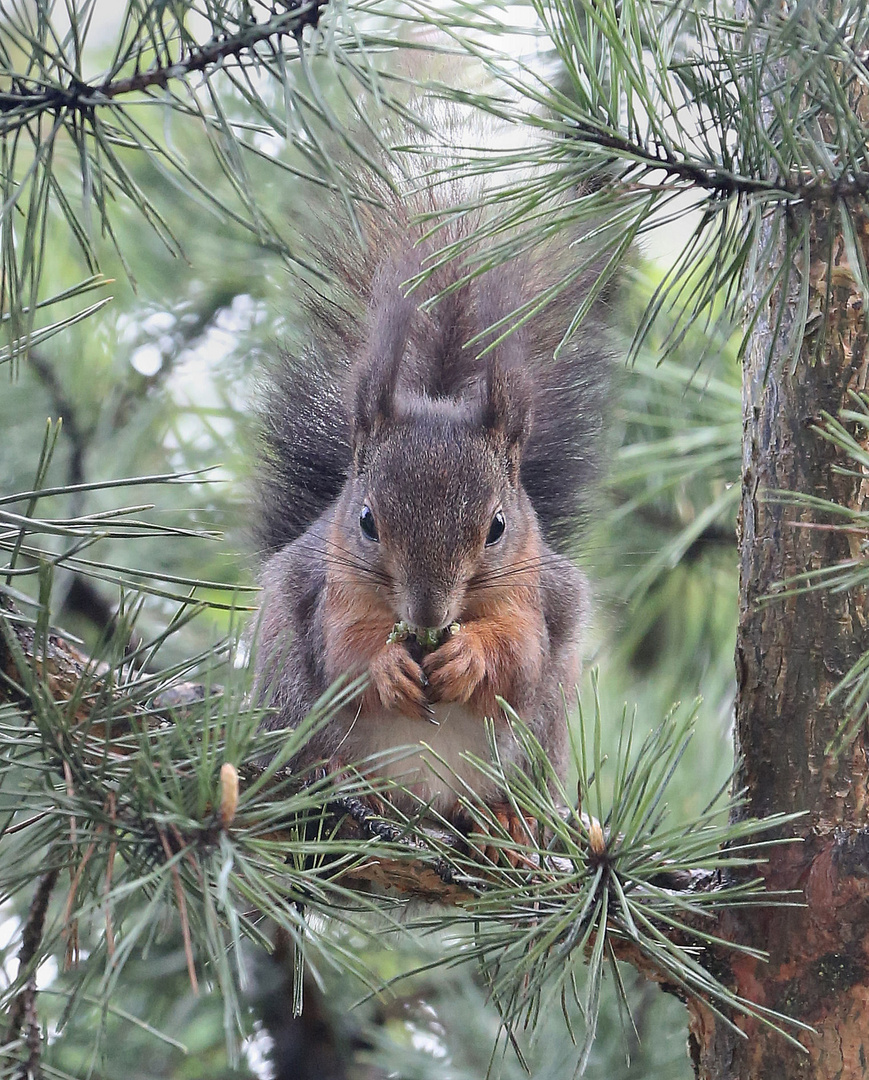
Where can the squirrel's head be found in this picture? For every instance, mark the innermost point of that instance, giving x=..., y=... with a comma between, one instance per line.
x=434, y=507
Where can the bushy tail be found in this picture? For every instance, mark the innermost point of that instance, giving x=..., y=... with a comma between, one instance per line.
x=306, y=448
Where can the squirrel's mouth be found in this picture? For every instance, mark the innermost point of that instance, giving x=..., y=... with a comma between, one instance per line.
x=425, y=638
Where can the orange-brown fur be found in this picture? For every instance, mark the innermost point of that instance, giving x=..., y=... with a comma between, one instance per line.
x=491, y=655
x=498, y=647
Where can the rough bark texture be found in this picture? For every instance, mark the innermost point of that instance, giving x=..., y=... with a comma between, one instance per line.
x=790, y=654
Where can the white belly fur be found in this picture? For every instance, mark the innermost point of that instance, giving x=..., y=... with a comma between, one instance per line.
x=435, y=773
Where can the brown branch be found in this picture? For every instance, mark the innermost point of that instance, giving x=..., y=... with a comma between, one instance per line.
x=712, y=177
x=64, y=668
x=23, y=1011
x=60, y=667
x=110, y=867
x=80, y=96
x=216, y=51
x=430, y=877
x=182, y=913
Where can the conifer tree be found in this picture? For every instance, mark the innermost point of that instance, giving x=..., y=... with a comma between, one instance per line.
x=138, y=824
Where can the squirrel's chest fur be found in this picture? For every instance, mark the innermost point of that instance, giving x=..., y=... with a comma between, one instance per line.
x=439, y=769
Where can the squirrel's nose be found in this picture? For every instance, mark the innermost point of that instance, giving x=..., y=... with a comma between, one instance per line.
x=427, y=610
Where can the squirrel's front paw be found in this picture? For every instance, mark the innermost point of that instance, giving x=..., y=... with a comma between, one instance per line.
x=397, y=682
x=456, y=668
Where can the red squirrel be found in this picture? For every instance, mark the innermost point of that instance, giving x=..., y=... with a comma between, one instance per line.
x=414, y=490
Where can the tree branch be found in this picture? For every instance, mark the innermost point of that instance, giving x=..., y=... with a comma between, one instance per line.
x=709, y=176
x=430, y=876
x=23, y=1011
x=677, y=910
x=82, y=97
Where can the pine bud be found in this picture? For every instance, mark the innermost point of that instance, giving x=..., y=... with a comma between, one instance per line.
x=228, y=794
x=596, y=839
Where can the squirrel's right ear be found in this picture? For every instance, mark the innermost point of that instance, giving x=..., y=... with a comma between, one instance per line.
x=378, y=374
x=506, y=409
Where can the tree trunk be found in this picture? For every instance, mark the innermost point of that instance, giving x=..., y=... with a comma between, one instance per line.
x=790, y=654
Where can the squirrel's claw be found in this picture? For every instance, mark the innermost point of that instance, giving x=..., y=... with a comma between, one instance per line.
x=397, y=681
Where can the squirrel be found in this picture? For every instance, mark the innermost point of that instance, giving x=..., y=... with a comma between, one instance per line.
x=417, y=493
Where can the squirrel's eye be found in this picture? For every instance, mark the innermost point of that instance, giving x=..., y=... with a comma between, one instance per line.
x=367, y=524
x=496, y=529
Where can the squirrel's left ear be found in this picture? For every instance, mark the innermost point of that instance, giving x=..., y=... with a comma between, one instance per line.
x=506, y=409
x=374, y=400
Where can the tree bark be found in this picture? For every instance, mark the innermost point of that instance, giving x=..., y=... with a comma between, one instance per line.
x=790, y=654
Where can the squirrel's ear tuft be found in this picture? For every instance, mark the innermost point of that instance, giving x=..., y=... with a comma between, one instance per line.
x=374, y=391
x=506, y=409
x=374, y=400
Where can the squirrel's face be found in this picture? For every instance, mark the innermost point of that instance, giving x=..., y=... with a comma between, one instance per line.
x=438, y=518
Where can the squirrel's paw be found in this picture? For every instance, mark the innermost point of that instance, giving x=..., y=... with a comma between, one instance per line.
x=397, y=682
x=456, y=668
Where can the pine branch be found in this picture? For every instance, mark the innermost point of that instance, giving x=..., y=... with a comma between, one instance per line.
x=79, y=96
x=23, y=1011
x=65, y=668
x=712, y=177
x=401, y=857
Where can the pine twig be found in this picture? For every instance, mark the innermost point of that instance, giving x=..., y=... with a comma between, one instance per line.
x=23, y=1011
x=405, y=858
x=79, y=96
x=430, y=877
x=182, y=913
x=709, y=176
